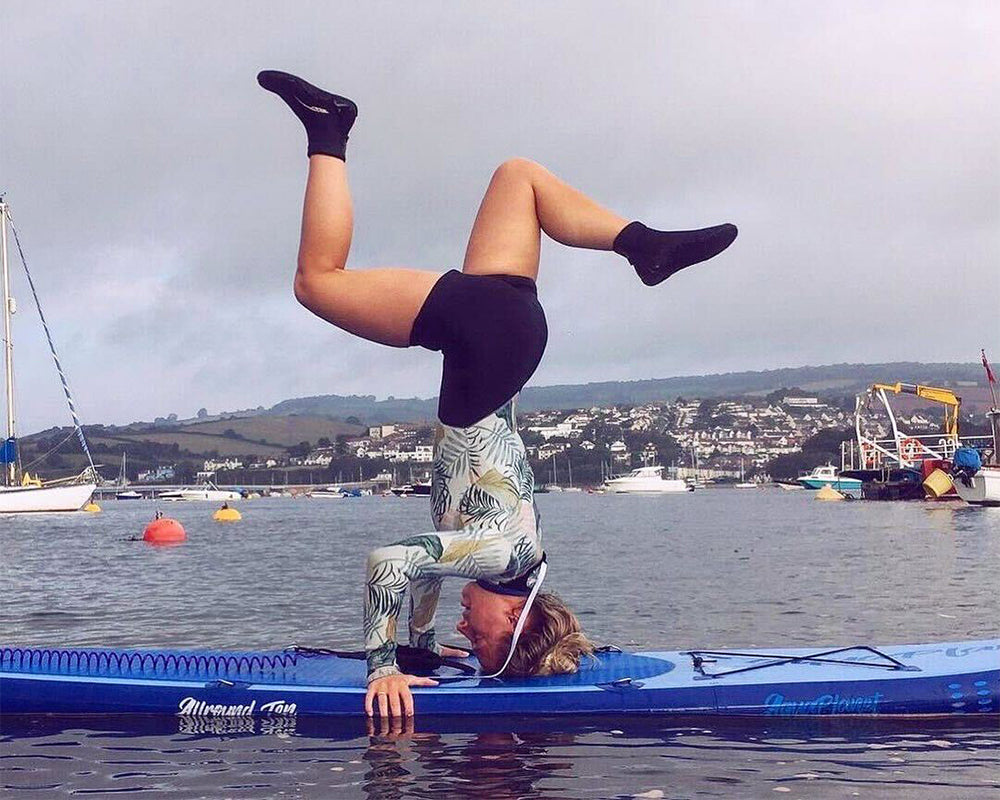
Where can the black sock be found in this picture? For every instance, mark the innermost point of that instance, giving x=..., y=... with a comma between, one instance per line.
x=656, y=255
x=327, y=117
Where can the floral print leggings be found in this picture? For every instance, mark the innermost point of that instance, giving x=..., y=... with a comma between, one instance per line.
x=486, y=527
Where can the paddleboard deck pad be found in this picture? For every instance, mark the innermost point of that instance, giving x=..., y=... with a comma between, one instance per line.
x=954, y=678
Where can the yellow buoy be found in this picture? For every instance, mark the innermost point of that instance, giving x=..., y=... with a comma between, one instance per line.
x=938, y=483
x=828, y=493
x=92, y=507
x=227, y=514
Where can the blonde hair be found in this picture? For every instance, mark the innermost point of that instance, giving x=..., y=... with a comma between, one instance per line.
x=553, y=641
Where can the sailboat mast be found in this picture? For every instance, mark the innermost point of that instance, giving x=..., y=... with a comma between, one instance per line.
x=8, y=344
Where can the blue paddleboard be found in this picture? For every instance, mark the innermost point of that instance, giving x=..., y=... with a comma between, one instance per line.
x=954, y=678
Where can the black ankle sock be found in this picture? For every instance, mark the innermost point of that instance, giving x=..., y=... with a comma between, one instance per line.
x=656, y=255
x=327, y=117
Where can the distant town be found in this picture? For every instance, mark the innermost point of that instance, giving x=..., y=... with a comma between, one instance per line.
x=734, y=427
x=719, y=440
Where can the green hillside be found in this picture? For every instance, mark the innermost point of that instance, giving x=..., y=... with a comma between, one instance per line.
x=835, y=379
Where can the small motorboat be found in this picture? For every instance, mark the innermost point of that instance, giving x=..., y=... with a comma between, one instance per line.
x=207, y=491
x=647, y=480
x=827, y=475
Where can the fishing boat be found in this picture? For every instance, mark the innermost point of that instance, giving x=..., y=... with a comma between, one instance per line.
x=22, y=493
x=827, y=475
x=647, y=480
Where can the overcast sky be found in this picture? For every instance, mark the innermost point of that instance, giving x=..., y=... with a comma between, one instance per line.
x=157, y=188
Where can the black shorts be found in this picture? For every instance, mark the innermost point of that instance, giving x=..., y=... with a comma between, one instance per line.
x=492, y=332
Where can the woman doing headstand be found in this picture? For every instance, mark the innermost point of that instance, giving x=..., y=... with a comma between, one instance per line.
x=487, y=322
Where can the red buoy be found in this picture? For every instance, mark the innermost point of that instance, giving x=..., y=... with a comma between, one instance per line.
x=164, y=530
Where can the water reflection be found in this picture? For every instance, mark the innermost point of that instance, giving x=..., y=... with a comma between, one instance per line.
x=498, y=757
x=496, y=764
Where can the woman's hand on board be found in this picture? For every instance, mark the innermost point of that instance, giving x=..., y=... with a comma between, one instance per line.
x=391, y=696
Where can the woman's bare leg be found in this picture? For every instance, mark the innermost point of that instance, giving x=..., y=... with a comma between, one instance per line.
x=524, y=199
x=376, y=304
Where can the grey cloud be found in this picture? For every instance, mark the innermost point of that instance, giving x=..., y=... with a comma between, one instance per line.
x=157, y=188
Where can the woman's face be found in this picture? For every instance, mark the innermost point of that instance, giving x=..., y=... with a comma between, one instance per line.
x=488, y=621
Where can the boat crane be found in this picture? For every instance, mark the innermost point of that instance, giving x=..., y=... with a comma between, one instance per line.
x=908, y=449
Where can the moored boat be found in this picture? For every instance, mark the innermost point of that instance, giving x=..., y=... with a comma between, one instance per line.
x=412, y=490
x=328, y=493
x=978, y=483
x=31, y=499
x=647, y=480
x=827, y=475
x=207, y=491
x=743, y=483
x=21, y=492
x=125, y=493
x=984, y=489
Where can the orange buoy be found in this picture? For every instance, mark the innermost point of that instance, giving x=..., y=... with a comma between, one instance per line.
x=164, y=530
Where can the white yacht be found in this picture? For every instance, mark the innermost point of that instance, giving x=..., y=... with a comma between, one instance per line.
x=647, y=480
x=207, y=491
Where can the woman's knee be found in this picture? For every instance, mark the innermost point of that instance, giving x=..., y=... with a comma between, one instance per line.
x=517, y=168
x=376, y=558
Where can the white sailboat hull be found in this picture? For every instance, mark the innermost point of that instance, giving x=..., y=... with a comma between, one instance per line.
x=28, y=499
x=985, y=489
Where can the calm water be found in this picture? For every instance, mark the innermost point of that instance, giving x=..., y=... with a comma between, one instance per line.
x=719, y=568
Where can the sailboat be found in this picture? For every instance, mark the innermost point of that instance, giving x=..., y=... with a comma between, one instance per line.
x=554, y=486
x=571, y=487
x=125, y=493
x=20, y=493
x=696, y=481
x=744, y=483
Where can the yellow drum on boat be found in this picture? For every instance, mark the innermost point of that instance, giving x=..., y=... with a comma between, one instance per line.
x=938, y=483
